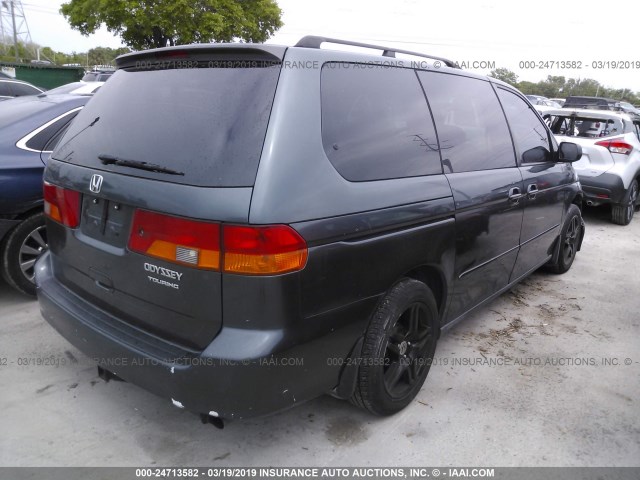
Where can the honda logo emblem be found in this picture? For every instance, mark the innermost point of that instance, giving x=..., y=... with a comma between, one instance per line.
x=96, y=183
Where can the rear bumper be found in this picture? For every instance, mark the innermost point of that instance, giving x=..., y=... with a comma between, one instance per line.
x=603, y=189
x=242, y=373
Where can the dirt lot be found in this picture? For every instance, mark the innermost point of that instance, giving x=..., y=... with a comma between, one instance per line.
x=546, y=375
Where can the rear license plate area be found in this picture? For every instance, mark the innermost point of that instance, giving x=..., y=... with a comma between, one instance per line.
x=105, y=220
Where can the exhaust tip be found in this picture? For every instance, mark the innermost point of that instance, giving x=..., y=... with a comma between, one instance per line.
x=215, y=421
x=106, y=375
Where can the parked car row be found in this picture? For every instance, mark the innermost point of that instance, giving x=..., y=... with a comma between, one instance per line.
x=10, y=88
x=609, y=132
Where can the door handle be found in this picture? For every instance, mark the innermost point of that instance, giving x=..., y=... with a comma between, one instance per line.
x=515, y=195
x=532, y=191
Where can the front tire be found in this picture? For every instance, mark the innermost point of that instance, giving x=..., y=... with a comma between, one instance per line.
x=623, y=214
x=20, y=250
x=398, y=348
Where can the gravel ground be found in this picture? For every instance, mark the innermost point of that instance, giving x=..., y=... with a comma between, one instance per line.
x=546, y=375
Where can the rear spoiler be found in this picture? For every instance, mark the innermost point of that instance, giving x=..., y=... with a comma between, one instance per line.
x=174, y=57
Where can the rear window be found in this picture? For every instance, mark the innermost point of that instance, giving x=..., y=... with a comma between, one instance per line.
x=207, y=123
x=585, y=127
x=21, y=89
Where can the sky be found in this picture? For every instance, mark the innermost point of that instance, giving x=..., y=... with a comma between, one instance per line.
x=530, y=40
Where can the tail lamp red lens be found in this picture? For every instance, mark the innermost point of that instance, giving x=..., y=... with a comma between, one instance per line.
x=616, y=145
x=176, y=239
x=264, y=250
x=62, y=205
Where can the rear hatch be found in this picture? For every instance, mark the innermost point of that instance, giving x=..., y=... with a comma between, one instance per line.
x=165, y=152
x=592, y=134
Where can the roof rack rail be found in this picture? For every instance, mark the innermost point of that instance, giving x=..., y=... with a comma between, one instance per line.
x=313, y=41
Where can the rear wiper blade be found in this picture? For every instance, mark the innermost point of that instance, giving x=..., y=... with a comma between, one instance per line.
x=151, y=167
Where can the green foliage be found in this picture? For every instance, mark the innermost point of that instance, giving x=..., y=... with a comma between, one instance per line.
x=561, y=87
x=105, y=55
x=505, y=75
x=95, y=56
x=144, y=24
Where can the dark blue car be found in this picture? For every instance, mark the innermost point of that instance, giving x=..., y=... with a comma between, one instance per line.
x=30, y=127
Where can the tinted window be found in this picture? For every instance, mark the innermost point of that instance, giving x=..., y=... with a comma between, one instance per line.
x=529, y=133
x=20, y=89
x=53, y=141
x=471, y=127
x=42, y=138
x=376, y=123
x=208, y=123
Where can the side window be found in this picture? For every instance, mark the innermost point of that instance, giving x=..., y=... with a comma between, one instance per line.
x=529, y=133
x=44, y=137
x=53, y=141
x=20, y=89
x=471, y=127
x=637, y=129
x=376, y=123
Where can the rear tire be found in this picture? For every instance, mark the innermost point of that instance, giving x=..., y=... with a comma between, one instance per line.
x=20, y=250
x=398, y=349
x=623, y=214
x=569, y=240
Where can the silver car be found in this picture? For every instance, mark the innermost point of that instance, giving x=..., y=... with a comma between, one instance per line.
x=609, y=169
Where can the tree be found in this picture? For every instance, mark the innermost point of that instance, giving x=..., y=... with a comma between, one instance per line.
x=143, y=24
x=104, y=55
x=505, y=75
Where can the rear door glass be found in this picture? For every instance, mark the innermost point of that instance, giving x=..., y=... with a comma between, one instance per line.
x=207, y=123
x=471, y=127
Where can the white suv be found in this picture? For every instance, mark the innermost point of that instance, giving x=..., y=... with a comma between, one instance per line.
x=609, y=169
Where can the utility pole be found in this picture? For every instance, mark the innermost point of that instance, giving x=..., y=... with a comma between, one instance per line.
x=15, y=32
x=14, y=27
x=2, y=4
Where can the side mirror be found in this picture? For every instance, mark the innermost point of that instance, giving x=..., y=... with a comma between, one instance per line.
x=569, y=152
x=536, y=155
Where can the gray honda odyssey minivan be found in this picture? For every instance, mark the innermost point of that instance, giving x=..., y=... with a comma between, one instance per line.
x=239, y=228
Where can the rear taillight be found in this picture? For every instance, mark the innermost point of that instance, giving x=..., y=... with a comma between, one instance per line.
x=616, y=145
x=263, y=250
x=176, y=239
x=62, y=205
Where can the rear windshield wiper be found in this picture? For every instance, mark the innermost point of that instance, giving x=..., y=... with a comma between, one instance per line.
x=151, y=167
